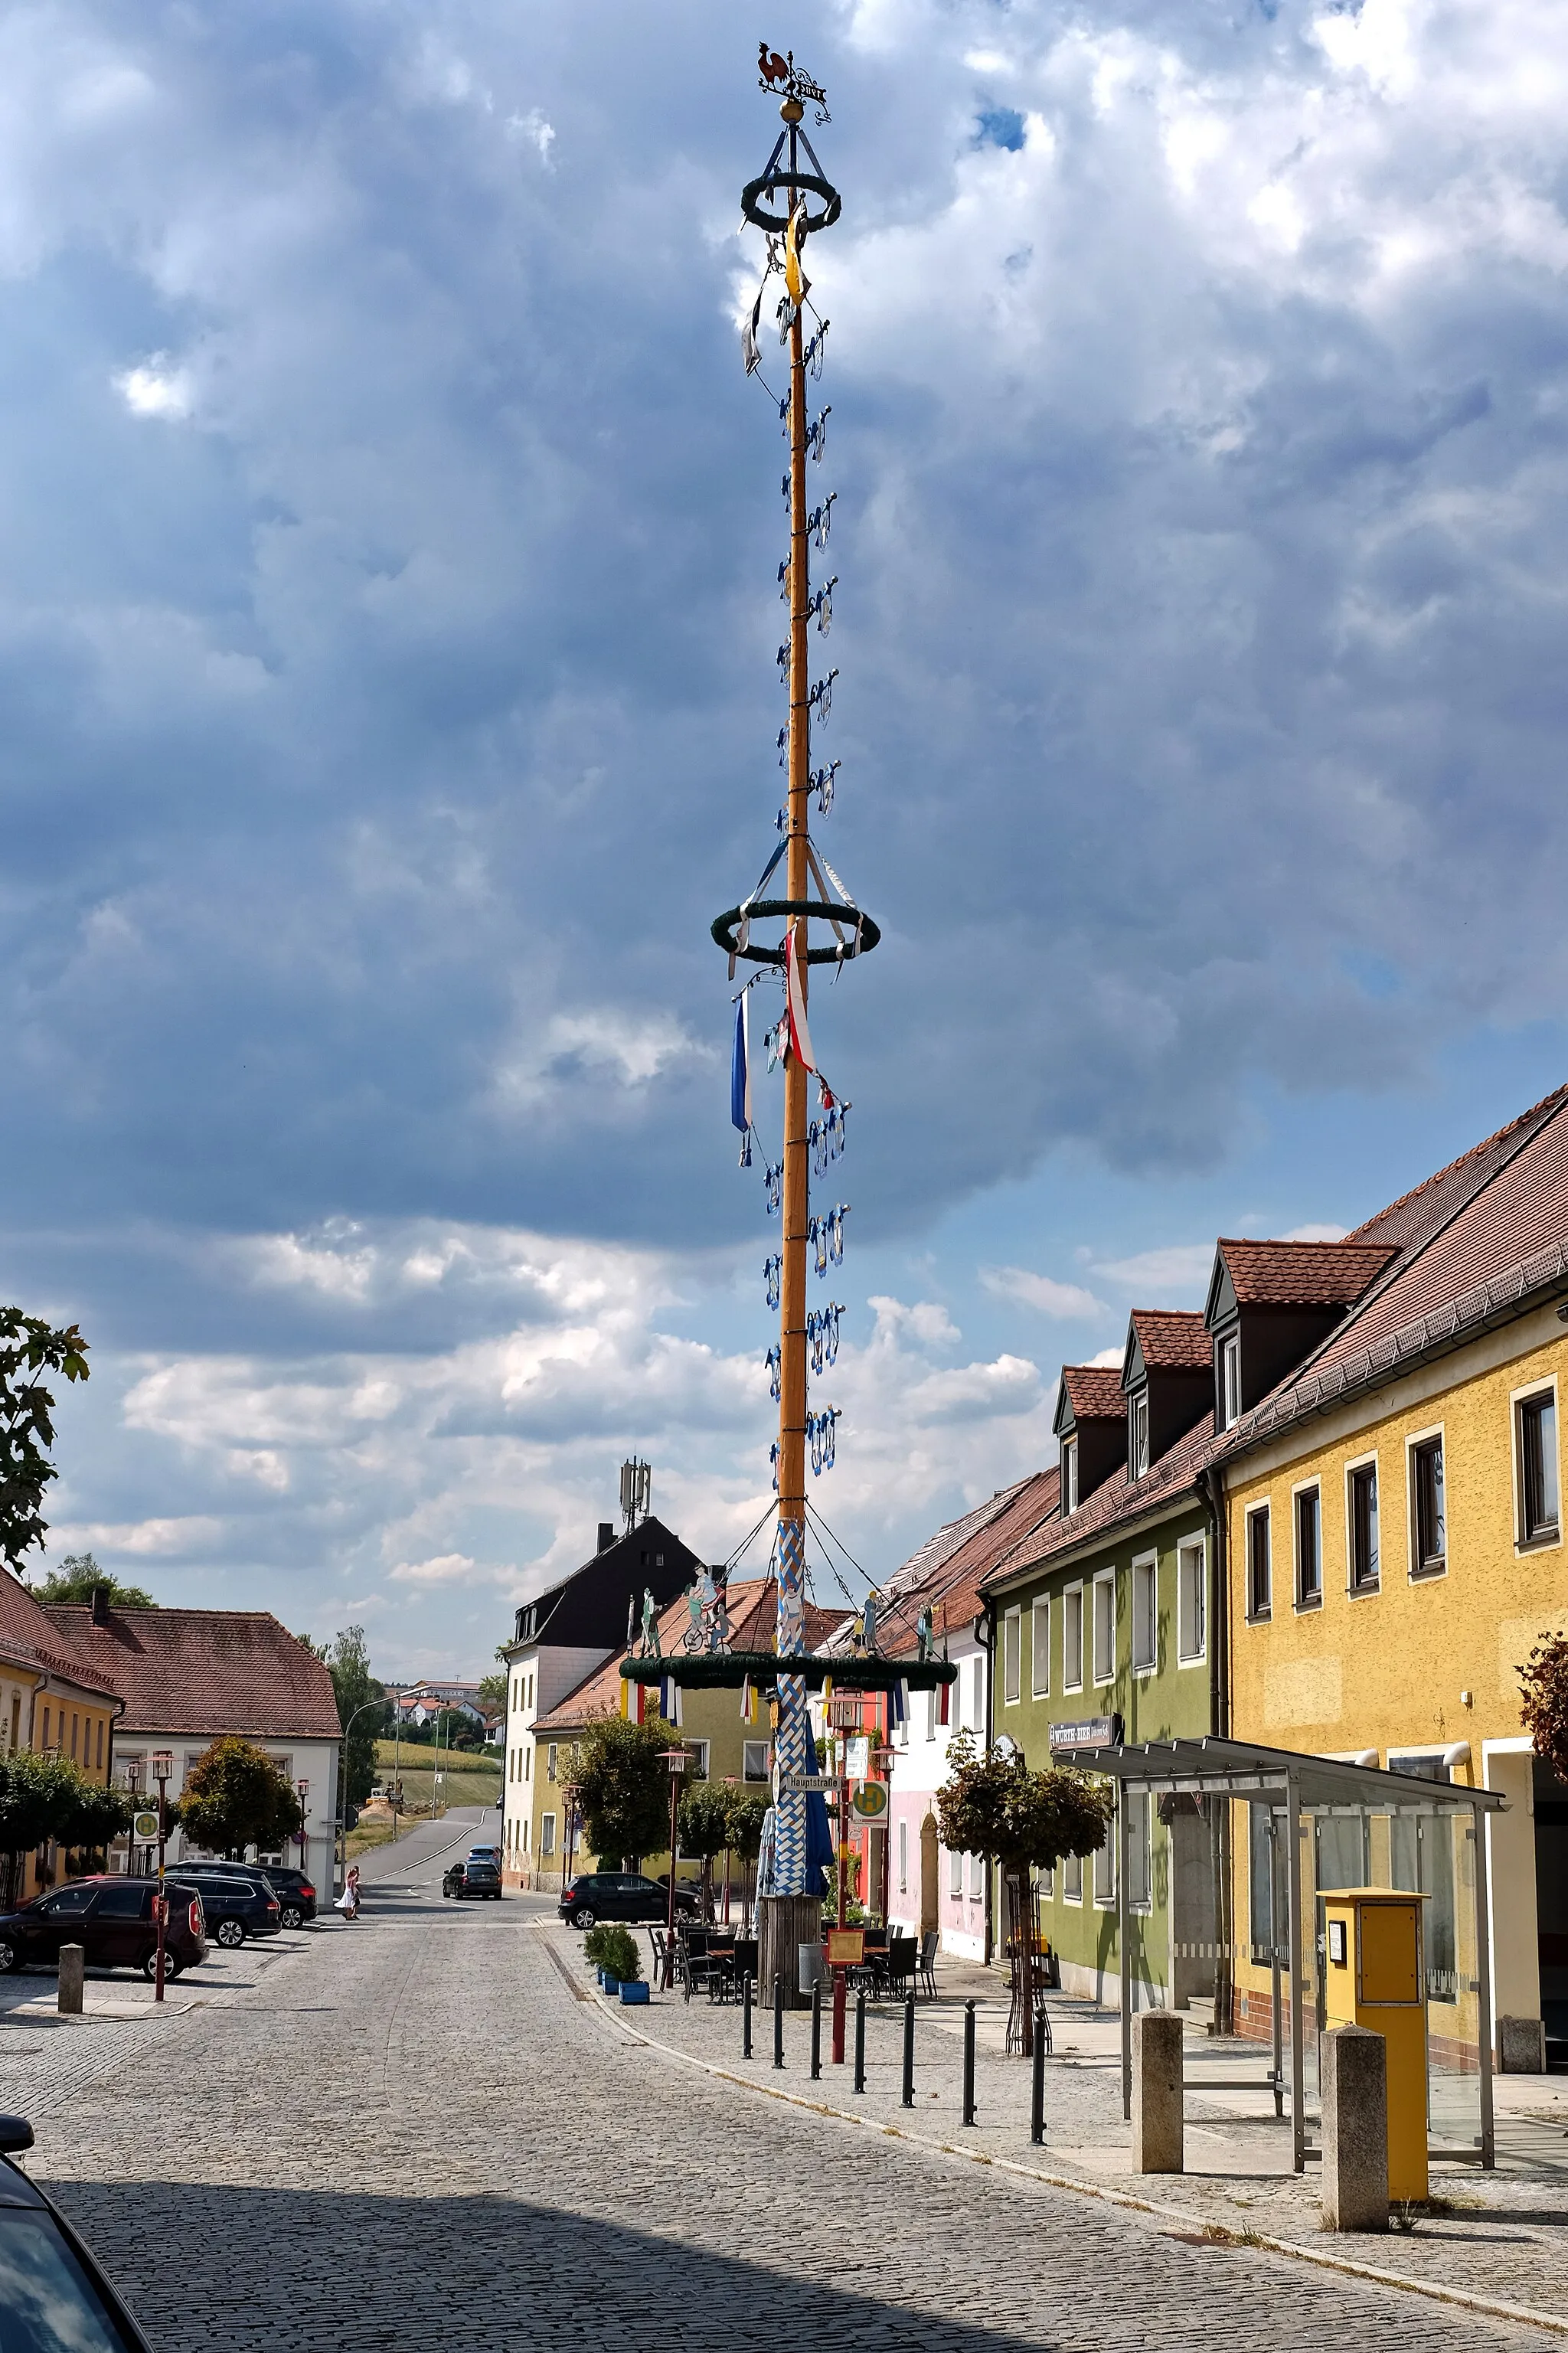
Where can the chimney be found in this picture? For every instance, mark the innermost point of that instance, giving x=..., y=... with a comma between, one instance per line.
x=606, y=1534
x=100, y=1605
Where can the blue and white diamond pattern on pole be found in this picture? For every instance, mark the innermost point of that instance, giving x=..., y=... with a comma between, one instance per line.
x=789, y=1854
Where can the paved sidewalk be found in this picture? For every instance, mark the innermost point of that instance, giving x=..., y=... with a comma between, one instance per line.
x=1500, y=2237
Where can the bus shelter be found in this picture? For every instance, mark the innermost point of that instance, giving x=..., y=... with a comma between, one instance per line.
x=1381, y=1824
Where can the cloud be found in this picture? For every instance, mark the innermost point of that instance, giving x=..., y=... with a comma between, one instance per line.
x=1318, y=1233
x=155, y=388
x=1068, y=1300
x=171, y=1539
x=1177, y=1270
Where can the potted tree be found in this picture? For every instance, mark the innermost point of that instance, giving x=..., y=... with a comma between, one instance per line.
x=703, y=1830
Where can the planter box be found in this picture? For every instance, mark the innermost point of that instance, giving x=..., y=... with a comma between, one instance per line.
x=607, y=1984
x=633, y=1990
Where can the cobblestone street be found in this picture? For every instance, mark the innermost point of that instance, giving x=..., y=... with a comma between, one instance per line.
x=419, y=2124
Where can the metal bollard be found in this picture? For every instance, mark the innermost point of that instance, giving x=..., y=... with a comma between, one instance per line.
x=909, y=2052
x=816, y=2031
x=969, y=2063
x=861, y=2039
x=746, y=2015
x=1038, y=2088
x=778, y=2019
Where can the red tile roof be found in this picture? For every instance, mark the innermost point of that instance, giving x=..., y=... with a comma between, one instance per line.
x=1120, y=1498
x=753, y=1616
x=1415, y=1217
x=29, y=1635
x=1171, y=1342
x=1095, y=1392
x=1303, y=1275
x=206, y=1671
x=953, y=1594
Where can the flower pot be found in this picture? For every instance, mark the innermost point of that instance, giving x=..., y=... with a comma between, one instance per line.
x=633, y=1990
x=607, y=1984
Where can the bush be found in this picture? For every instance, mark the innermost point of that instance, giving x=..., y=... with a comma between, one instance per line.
x=619, y=1954
x=593, y=1942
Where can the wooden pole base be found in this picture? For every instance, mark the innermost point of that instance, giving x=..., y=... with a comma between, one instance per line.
x=785, y=1923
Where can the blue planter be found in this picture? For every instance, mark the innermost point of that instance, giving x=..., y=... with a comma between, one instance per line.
x=634, y=1991
x=607, y=1984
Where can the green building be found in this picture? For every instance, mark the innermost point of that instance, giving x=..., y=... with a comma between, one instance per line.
x=1103, y=1626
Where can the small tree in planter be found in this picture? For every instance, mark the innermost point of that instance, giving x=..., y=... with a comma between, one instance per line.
x=622, y=1787
x=703, y=1826
x=993, y=1805
x=746, y=1813
x=1544, y=1701
x=617, y=1954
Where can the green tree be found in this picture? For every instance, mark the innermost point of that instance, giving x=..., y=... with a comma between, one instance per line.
x=622, y=1787
x=235, y=1796
x=39, y=1799
x=993, y=1805
x=348, y=1663
x=1544, y=1701
x=747, y=1811
x=703, y=1829
x=493, y=1690
x=93, y=1815
x=29, y=1346
x=76, y=1578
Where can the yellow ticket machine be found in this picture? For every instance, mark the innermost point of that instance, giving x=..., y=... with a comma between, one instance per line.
x=1374, y=1975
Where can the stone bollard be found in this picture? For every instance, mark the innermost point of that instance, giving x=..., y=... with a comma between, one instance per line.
x=1520, y=2046
x=1354, y=2068
x=1157, y=2091
x=73, y=1975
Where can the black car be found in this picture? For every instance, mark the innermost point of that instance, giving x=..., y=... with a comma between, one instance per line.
x=621, y=1895
x=475, y=1877
x=113, y=1921
x=235, y=1898
x=52, y=2293
x=296, y=1894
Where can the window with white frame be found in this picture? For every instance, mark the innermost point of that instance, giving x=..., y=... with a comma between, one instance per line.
x=977, y=1720
x=1072, y=1639
x=1309, y=1519
x=1259, y=1565
x=1138, y=1434
x=903, y=1858
x=1105, y=1869
x=1145, y=1615
x=1428, y=1516
x=1045, y=1883
x=528, y=1764
x=546, y=1834
x=1535, y=1444
x=955, y=1875
x=977, y=1876
x=1104, y=1631
x=1230, y=1381
x=522, y=1826
x=698, y=1752
x=1012, y=1644
x=1040, y=1646
x=1072, y=1879
x=1192, y=1600
x=1139, y=1861
x=755, y=1760
x=550, y=1757
x=1361, y=1506
x=1068, y=1483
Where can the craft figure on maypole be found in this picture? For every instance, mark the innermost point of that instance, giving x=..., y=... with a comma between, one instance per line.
x=792, y=201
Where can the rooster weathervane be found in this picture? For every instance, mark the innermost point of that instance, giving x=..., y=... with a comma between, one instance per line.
x=785, y=80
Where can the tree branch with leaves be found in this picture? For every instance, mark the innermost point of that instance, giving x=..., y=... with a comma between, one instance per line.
x=29, y=1346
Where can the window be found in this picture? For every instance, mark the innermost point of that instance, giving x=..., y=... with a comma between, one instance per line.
x=1429, y=1520
x=99, y=1767
x=755, y=1760
x=1105, y=1869
x=1072, y=1639
x=547, y=1834
x=976, y=1877
x=698, y=1752
x=1105, y=1627
x=1046, y=1883
x=1139, y=1872
x=1309, y=1549
x=1068, y=1479
x=46, y=1728
x=1230, y=1380
x=1259, y=1567
x=1365, y=1560
x=522, y=1833
x=1072, y=1879
x=1040, y=1646
x=121, y=1904
x=1145, y=1616
x=955, y=1875
x=75, y=1722
x=977, y=1721
x=1538, y=1521
x=903, y=1858
x=1192, y=1600
x=550, y=1762
x=1138, y=1434
x=1012, y=1642
x=527, y=1763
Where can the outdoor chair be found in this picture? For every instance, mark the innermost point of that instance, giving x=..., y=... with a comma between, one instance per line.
x=904, y=1959
x=926, y=1965
x=659, y=1940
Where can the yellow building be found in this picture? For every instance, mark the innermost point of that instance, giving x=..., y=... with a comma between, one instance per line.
x=1393, y=1534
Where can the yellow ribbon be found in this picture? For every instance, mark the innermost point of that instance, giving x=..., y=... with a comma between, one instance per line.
x=794, y=277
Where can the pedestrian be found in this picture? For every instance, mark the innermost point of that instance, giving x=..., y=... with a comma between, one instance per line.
x=348, y=1902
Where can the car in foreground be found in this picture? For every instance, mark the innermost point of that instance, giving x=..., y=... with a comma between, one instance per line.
x=472, y=1878
x=621, y=1895
x=54, y=2298
x=296, y=1894
x=236, y=1898
x=113, y=1921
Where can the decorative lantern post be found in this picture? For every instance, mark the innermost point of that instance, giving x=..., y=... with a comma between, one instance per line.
x=677, y=1760
x=161, y=1766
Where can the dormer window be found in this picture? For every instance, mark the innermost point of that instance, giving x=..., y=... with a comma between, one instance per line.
x=1138, y=1434
x=1069, y=1475
x=1230, y=1380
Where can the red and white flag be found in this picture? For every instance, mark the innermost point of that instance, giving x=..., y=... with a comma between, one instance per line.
x=794, y=998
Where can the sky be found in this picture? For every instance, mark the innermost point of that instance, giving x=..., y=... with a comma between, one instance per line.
x=388, y=547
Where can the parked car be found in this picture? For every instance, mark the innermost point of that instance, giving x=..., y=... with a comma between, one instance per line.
x=236, y=1898
x=296, y=1894
x=621, y=1895
x=485, y=1854
x=112, y=1920
x=475, y=1877
x=52, y=2293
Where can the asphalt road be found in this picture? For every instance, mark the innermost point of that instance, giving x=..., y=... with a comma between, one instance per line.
x=414, y=2126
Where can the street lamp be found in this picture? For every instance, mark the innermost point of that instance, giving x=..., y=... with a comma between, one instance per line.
x=677, y=1760
x=302, y=1790
x=161, y=1766
x=132, y=1770
x=343, y=1772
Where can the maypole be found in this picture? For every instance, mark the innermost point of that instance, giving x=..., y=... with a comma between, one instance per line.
x=791, y=201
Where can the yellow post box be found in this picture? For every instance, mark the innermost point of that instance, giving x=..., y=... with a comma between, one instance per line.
x=1374, y=1975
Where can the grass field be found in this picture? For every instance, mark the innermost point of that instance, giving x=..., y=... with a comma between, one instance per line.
x=466, y=1780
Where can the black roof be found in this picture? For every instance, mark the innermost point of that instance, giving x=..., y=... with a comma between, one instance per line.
x=587, y=1610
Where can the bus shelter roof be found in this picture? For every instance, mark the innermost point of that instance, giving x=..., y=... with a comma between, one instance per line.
x=1214, y=1767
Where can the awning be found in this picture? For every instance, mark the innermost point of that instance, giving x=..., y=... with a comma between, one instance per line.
x=1240, y=1769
